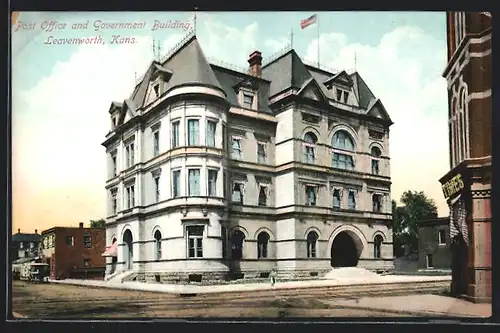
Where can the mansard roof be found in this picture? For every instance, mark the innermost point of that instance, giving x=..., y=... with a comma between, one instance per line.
x=188, y=64
x=185, y=65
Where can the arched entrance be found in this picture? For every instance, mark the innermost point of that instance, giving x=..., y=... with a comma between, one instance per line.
x=345, y=251
x=237, y=240
x=128, y=249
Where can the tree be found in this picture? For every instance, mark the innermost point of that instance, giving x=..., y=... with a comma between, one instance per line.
x=98, y=224
x=416, y=206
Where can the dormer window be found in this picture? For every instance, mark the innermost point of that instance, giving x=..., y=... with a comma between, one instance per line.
x=346, y=96
x=247, y=100
x=339, y=94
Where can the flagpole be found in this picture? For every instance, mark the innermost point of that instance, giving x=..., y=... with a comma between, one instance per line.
x=291, y=38
x=194, y=19
x=317, y=23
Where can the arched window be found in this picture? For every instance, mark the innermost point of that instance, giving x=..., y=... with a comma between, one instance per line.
x=237, y=239
x=262, y=242
x=377, y=244
x=462, y=125
x=312, y=240
x=376, y=153
x=342, y=140
x=224, y=241
x=309, y=146
x=157, y=237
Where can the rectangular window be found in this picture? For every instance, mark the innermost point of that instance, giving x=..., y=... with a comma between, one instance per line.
x=21, y=245
x=156, y=180
x=194, y=182
x=428, y=260
x=247, y=101
x=212, y=183
x=224, y=184
x=346, y=96
x=87, y=241
x=113, y=164
x=175, y=134
x=211, y=128
x=237, y=194
x=114, y=201
x=377, y=203
x=310, y=196
x=375, y=167
x=236, y=148
x=130, y=196
x=130, y=154
x=351, y=200
x=193, y=132
x=261, y=152
x=176, y=183
x=263, y=195
x=442, y=236
x=224, y=135
x=339, y=94
x=86, y=263
x=342, y=161
x=195, y=241
x=336, y=199
x=309, y=155
x=70, y=241
x=156, y=143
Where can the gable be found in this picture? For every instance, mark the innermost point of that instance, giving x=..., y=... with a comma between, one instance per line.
x=128, y=115
x=312, y=91
x=377, y=110
x=342, y=79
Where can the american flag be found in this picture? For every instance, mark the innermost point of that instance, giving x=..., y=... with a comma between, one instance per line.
x=458, y=220
x=308, y=21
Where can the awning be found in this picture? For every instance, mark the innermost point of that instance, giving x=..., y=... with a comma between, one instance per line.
x=110, y=250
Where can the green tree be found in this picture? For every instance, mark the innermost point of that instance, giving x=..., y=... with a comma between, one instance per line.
x=98, y=224
x=416, y=206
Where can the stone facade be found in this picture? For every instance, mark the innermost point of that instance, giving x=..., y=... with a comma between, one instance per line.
x=469, y=85
x=434, y=244
x=233, y=175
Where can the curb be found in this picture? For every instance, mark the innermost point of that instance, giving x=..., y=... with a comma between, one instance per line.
x=427, y=313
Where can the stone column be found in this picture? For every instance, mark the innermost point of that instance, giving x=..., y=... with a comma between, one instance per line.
x=479, y=286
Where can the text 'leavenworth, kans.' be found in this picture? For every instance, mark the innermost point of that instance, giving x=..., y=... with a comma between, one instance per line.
x=99, y=25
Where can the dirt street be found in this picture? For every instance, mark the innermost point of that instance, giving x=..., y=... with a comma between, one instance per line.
x=66, y=301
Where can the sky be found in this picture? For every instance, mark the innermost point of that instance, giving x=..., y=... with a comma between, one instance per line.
x=61, y=93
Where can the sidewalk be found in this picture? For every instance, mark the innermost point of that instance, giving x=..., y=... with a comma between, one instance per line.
x=417, y=305
x=194, y=289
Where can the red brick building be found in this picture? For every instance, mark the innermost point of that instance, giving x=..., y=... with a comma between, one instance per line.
x=74, y=252
x=467, y=186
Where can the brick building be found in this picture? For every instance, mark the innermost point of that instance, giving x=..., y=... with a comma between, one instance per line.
x=467, y=186
x=434, y=244
x=74, y=252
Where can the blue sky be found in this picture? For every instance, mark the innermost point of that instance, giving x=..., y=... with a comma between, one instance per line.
x=61, y=93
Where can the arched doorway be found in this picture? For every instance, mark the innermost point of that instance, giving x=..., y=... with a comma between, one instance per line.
x=345, y=252
x=114, y=260
x=237, y=239
x=129, y=249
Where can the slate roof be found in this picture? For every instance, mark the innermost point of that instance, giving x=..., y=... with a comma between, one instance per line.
x=189, y=65
x=21, y=237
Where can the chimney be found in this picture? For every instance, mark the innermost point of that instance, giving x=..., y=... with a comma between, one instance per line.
x=255, y=62
x=18, y=231
x=36, y=231
x=81, y=224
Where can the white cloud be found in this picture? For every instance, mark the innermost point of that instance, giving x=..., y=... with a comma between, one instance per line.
x=403, y=72
x=59, y=124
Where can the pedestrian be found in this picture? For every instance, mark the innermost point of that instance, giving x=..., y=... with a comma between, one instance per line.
x=272, y=275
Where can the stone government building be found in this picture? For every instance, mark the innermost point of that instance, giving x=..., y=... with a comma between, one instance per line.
x=216, y=174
